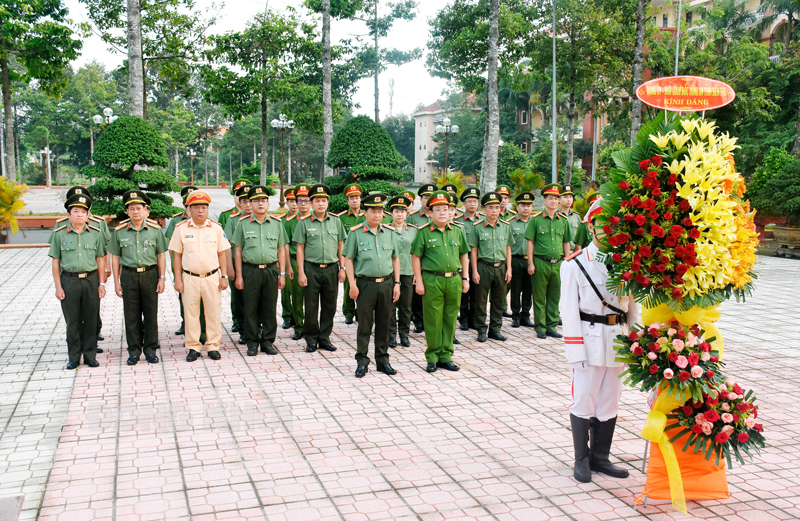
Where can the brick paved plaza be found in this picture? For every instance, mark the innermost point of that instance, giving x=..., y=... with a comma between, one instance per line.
x=297, y=437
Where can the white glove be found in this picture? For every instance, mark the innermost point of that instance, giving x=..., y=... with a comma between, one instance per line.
x=578, y=365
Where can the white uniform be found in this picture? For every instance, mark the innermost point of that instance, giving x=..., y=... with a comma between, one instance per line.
x=596, y=383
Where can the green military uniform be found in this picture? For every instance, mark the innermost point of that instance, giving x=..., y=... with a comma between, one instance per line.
x=138, y=251
x=286, y=292
x=224, y=217
x=400, y=321
x=259, y=243
x=574, y=220
x=321, y=240
x=583, y=237
x=372, y=255
x=418, y=220
x=296, y=290
x=349, y=219
x=467, y=311
x=237, y=295
x=549, y=236
x=520, y=280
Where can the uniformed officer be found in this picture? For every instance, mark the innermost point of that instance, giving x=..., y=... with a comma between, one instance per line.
x=490, y=241
x=78, y=250
x=400, y=320
x=222, y=219
x=320, y=239
x=453, y=204
x=174, y=221
x=243, y=209
x=520, y=280
x=593, y=317
x=200, y=269
x=139, y=262
x=290, y=224
x=438, y=252
x=548, y=243
x=260, y=270
x=419, y=219
x=470, y=199
x=565, y=201
x=372, y=258
x=286, y=292
x=505, y=197
x=350, y=217
x=583, y=237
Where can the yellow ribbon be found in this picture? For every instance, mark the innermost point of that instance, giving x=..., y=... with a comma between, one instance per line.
x=695, y=315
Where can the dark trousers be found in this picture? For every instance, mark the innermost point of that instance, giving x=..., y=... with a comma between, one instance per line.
x=374, y=303
x=140, y=308
x=400, y=320
x=492, y=285
x=416, y=308
x=286, y=301
x=467, y=310
x=319, y=297
x=298, y=293
x=348, y=304
x=80, y=306
x=521, y=299
x=237, y=304
x=260, y=302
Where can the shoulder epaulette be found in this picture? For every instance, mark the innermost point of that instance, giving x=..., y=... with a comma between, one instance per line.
x=502, y=221
x=177, y=214
x=153, y=223
x=243, y=217
x=573, y=255
x=95, y=218
x=476, y=222
x=60, y=227
x=215, y=222
x=413, y=226
x=61, y=219
x=356, y=227
x=93, y=228
x=292, y=217
x=536, y=214
x=128, y=220
x=227, y=210
x=340, y=213
x=278, y=216
x=185, y=221
x=121, y=226
x=306, y=217
x=460, y=225
x=388, y=226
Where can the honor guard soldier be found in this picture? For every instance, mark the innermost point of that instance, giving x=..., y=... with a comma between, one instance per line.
x=290, y=224
x=350, y=217
x=319, y=239
x=520, y=280
x=372, y=258
x=439, y=252
x=490, y=241
x=286, y=292
x=222, y=219
x=583, y=237
x=138, y=255
x=470, y=199
x=593, y=317
x=200, y=269
x=243, y=209
x=400, y=321
x=548, y=243
x=174, y=221
x=260, y=270
x=78, y=250
x=565, y=202
x=419, y=219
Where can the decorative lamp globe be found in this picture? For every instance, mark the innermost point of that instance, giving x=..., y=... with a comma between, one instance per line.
x=107, y=112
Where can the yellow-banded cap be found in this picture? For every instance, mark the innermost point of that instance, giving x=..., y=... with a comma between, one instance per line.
x=490, y=198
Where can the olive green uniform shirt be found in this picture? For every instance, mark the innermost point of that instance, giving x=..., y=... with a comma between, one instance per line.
x=418, y=218
x=574, y=222
x=225, y=215
x=349, y=219
x=77, y=252
x=519, y=245
x=259, y=242
x=177, y=218
x=467, y=222
x=548, y=235
x=440, y=251
x=491, y=241
x=289, y=224
x=230, y=226
x=372, y=253
x=405, y=238
x=137, y=248
x=321, y=238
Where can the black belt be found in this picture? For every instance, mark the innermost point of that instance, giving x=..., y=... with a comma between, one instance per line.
x=446, y=275
x=548, y=259
x=521, y=256
x=262, y=266
x=81, y=275
x=608, y=320
x=202, y=276
x=376, y=279
x=323, y=266
x=141, y=270
x=493, y=264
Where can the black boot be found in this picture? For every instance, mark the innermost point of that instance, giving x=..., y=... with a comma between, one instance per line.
x=580, y=439
x=602, y=434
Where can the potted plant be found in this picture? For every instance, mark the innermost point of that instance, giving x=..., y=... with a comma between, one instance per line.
x=10, y=203
x=781, y=195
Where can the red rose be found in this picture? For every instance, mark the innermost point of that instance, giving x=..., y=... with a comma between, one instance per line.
x=743, y=437
x=653, y=215
x=661, y=268
x=654, y=347
x=668, y=216
x=633, y=336
x=657, y=160
x=653, y=369
x=645, y=251
x=672, y=179
x=614, y=220
x=712, y=402
x=624, y=185
x=656, y=231
x=675, y=230
x=711, y=416
x=624, y=204
x=684, y=206
x=742, y=406
x=649, y=204
x=608, y=229
x=736, y=418
x=694, y=233
x=627, y=276
x=653, y=268
x=714, y=358
x=737, y=389
x=638, y=231
x=666, y=281
x=636, y=266
x=673, y=193
x=656, y=192
x=687, y=222
x=681, y=268
x=697, y=405
x=638, y=351
x=639, y=279
x=612, y=241
x=710, y=374
x=622, y=238
x=629, y=217
x=669, y=202
x=663, y=259
x=694, y=359
x=680, y=251
x=670, y=241
x=677, y=293
x=640, y=219
x=652, y=174
x=653, y=332
x=684, y=376
x=630, y=247
x=721, y=438
x=687, y=410
x=682, y=335
x=635, y=200
x=644, y=164
x=672, y=356
x=617, y=257
x=758, y=427
x=646, y=281
x=697, y=428
x=705, y=347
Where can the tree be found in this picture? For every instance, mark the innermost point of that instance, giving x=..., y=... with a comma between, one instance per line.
x=37, y=36
x=773, y=11
x=509, y=159
x=401, y=129
x=130, y=155
x=177, y=127
x=489, y=164
x=638, y=57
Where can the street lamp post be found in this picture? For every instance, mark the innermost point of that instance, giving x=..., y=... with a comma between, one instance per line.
x=191, y=155
x=282, y=125
x=103, y=121
x=446, y=130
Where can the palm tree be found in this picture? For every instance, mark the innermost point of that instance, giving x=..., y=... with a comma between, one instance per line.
x=728, y=20
x=778, y=9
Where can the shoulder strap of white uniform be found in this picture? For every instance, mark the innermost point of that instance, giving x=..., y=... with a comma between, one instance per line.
x=597, y=291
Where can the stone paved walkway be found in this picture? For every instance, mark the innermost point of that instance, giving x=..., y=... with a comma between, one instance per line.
x=296, y=436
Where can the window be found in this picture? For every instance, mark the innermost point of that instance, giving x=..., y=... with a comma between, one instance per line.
x=420, y=170
x=424, y=147
x=420, y=147
x=524, y=147
x=426, y=123
x=689, y=18
x=664, y=20
x=425, y=170
x=523, y=117
x=420, y=124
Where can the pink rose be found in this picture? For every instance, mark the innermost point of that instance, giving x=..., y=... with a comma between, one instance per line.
x=707, y=428
x=671, y=331
x=728, y=429
x=668, y=373
x=651, y=355
x=682, y=361
x=701, y=419
x=706, y=357
x=726, y=406
x=749, y=422
x=678, y=344
x=697, y=372
x=727, y=417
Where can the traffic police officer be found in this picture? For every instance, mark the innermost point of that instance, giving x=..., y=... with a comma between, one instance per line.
x=319, y=239
x=286, y=292
x=372, y=258
x=548, y=243
x=243, y=209
x=78, y=250
x=565, y=201
x=400, y=321
x=438, y=252
x=139, y=262
x=170, y=231
x=260, y=270
x=290, y=224
x=520, y=280
x=350, y=217
x=470, y=199
x=490, y=241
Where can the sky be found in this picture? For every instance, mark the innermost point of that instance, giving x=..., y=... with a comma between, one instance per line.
x=413, y=85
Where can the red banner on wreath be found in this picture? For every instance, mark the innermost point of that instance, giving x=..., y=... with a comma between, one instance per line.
x=685, y=93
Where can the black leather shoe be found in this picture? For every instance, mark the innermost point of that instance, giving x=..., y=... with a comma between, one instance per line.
x=133, y=360
x=242, y=341
x=506, y=313
x=100, y=337
x=310, y=348
x=361, y=371
x=525, y=321
x=348, y=320
x=431, y=367
x=181, y=330
x=214, y=355
x=481, y=337
x=386, y=369
x=495, y=335
x=99, y=350
x=192, y=355
x=235, y=328
x=252, y=351
x=514, y=322
x=455, y=341
x=450, y=366
x=393, y=342
x=297, y=336
x=464, y=325
x=286, y=324
x=327, y=346
x=93, y=363
x=554, y=334
x=269, y=349
x=152, y=359
x=404, y=341
x=419, y=328
x=541, y=335
x=72, y=365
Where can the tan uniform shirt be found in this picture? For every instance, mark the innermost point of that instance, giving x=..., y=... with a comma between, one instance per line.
x=199, y=245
